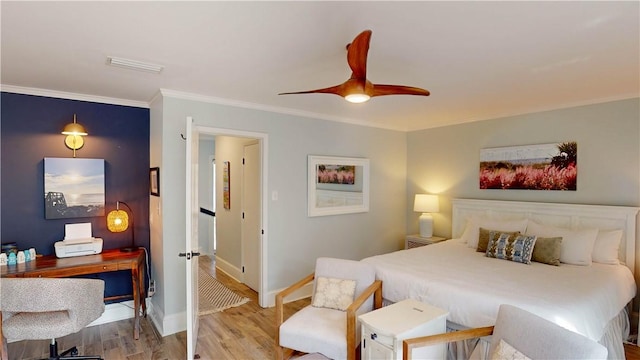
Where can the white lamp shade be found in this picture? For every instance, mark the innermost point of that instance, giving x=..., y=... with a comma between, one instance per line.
x=426, y=203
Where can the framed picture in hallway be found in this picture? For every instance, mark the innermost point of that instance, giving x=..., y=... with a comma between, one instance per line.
x=226, y=185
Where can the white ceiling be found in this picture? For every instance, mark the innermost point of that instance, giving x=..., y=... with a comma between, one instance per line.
x=480, y=60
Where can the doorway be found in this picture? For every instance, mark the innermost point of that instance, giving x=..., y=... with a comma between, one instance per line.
x=249, y=266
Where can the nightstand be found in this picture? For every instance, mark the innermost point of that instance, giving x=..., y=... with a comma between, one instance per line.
x=383, y=330
x=413, y=241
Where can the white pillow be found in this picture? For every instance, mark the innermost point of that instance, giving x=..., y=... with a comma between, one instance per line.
x=576, y=246
x=472, y=231
x=505, y=351
x=334, y=293
x=606, y=247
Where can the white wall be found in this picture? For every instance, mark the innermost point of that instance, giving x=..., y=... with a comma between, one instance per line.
x=295, y=240
x=206, y=149
x=230, y=149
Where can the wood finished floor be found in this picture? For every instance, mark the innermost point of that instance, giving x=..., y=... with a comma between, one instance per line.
x=244, y=333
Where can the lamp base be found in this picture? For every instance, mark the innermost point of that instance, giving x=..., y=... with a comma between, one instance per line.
x=129, y=248
x=426, y=225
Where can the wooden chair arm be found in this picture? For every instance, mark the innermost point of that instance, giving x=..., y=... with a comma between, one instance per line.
x=409, y=344
x=374, y=289
x=286, y=292
x=280, y=310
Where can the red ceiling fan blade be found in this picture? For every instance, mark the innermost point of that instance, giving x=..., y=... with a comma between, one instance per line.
x=338, y=90
x=357, y=55
x=380, y=90
x=357, y=88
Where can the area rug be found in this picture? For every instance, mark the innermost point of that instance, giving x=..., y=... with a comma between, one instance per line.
x=215, y=297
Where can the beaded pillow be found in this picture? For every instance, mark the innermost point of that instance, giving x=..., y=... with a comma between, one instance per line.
x=485, y=235
x=334, y=293
x=518, y=248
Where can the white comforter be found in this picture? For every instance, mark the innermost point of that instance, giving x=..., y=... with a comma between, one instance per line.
x=471, y=286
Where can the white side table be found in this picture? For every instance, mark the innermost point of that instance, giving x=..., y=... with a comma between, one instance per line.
x=413, y=241
x=383, y=330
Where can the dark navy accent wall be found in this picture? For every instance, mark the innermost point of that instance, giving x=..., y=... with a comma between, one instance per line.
x=30, y=131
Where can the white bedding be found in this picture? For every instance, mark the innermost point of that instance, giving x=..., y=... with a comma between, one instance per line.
x=471, y=287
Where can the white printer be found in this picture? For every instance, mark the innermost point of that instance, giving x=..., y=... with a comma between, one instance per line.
x=78, y=241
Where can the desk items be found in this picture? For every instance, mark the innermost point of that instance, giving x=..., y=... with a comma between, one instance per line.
x=78, y=241
x=19, y=257
x=12, y=259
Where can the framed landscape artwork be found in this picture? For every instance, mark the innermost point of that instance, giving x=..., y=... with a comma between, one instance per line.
x=337, y=185
x=73, y=188
x=531, y=167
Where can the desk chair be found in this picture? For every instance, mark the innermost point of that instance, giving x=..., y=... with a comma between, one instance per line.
x=320, y=327
x=529, y=334
x=49, y=308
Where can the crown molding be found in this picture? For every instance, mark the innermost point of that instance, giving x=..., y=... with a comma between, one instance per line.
x=274, y=109
x=72, y=96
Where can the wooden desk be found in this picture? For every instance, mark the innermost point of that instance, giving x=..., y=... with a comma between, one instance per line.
x=107, y=261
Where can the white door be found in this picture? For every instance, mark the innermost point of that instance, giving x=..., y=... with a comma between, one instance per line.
x=251, y=231
x=191, y=236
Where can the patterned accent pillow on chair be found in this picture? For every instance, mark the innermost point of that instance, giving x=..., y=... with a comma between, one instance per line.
x=518, y=248
x=334, y=293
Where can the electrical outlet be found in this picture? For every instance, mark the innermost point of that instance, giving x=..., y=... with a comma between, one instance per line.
x=152, y=288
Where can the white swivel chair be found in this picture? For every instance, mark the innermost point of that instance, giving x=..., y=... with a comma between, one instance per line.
x=49, y=308
x=317, y=329
x=529, y=334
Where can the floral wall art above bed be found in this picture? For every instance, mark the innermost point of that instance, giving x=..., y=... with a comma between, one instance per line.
x=530, y=167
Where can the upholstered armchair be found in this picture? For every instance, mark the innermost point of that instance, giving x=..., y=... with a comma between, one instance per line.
x=343, y=289
x=49, y=308
x=521, y=331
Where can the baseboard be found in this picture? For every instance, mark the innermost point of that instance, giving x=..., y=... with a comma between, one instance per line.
x=119, y=311
x=227, y=268
x=167, y=325
x=304, y=292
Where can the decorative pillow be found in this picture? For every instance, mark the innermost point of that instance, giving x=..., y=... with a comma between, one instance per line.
x=606, y=247
x=518, y=248
x=472, y=231
x=504, y=351
x=576, y=246
x=547, y=250
x=334, y=293
x=483, y=238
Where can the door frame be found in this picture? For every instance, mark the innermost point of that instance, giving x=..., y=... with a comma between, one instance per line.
x=263, y=140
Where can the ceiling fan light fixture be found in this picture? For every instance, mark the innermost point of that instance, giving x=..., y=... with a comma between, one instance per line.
x=357, y=98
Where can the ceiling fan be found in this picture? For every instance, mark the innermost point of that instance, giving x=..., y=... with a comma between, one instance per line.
x=358, y=89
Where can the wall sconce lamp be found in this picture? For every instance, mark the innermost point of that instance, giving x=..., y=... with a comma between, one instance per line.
x=118, y=221
x=74, y=132
x=426, y=204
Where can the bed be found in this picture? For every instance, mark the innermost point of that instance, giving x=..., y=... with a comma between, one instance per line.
x=584, y=295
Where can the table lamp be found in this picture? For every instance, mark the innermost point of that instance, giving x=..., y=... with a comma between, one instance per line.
x=118, y=221
x=426, y=204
